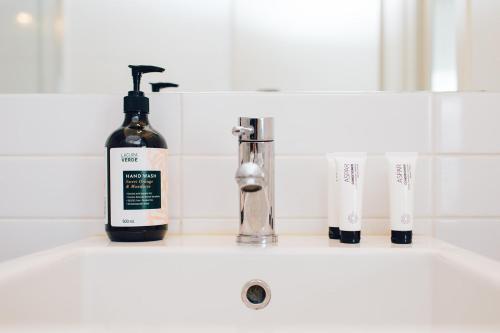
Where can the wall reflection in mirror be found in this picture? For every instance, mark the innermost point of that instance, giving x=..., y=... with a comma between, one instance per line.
x=84, y=46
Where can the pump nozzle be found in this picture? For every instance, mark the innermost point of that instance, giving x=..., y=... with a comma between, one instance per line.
x=135, y=101
x=157, y=86
x=138, y=70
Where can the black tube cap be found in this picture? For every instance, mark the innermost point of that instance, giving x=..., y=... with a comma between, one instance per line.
x=401, y=237
x=334, y=232
x=350, y=237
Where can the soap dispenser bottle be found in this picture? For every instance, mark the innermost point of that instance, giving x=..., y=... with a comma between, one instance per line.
x=136, y=157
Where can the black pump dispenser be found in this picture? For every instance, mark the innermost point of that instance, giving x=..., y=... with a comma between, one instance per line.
x=135, y=101
x=157, y=86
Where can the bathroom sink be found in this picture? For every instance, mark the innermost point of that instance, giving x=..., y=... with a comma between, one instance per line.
x=194, y=284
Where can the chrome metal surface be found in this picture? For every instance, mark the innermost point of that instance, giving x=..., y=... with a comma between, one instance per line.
x=255, y=129
x=255, y=178
x=250, y=177
x=257, y=299
x=242, y=131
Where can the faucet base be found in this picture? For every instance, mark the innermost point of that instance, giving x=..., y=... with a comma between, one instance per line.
x=257, y=240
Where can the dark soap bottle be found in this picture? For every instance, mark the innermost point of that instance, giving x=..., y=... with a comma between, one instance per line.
x=136, y=163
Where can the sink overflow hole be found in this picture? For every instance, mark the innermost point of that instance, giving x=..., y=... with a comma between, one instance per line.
x=256, y=294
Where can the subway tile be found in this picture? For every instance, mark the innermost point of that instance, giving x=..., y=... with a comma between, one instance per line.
x=382, y=227
x=478, y=235
x=165, y=116
x=174, y=226
x=63, y=124
x=467, y=122
x=53, y=187
x=310, y=124
x=44, y=234
x=376, y=227
x=230, y=226
x=467, y=186
x=286, y=226
x=301, y=187
x=302, y=227
x=174, y=187
x=25, y=236
x=71, y=187
x=210, y=226
x=209, y=189
x=376, y=190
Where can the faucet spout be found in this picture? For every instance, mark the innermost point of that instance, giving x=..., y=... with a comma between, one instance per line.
x=255, y=179
x=250, y=177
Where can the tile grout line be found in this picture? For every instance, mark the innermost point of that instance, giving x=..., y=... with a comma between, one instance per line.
x=433, y=128
x=471, y=217
x=287, y=218
x=181, y=165
x=302, y=218
x=178, y=218
x=369, y=155
x=60, y=218
x=227, y=156
x=61, y=156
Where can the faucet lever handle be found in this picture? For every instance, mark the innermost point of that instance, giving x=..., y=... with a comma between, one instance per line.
x=242, y=130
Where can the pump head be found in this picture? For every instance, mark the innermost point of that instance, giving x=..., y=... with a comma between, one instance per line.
x=135, y=101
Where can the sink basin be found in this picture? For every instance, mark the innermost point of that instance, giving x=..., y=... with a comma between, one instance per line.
x=193, y=284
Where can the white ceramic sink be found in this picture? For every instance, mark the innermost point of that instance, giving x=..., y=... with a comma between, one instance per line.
x=194, y=284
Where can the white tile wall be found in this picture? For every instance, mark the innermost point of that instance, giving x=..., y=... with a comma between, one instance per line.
x=76, y=124
x=208, y=187
x=52, y=170
x=467, y=122
x=468, y=186
x=301, y=190
x=63, y=187
x=480, y=235
x=310, y=124
x=24, y=236
x=47, y=187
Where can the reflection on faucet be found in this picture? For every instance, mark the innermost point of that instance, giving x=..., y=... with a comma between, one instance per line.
x=250, y=177
x=255, y=178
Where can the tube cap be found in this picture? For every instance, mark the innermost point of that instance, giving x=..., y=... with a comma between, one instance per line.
x=334, y=232
x=401, y=237
x=350, y=237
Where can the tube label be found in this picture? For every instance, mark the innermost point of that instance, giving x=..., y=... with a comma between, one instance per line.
x=401, y=180
x=351, y=173
x=403, y=174
x=351, y=195
x=138, y=186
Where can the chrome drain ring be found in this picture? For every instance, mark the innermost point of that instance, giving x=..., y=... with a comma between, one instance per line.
x=256, y=294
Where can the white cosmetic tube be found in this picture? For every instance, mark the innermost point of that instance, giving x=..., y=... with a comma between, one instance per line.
x=332, y=201
x=351, y=171
x=401, y=175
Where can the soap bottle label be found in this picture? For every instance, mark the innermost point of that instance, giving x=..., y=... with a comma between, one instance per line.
x=138, y=186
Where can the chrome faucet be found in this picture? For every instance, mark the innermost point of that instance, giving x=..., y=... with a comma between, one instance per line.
x=255, y=178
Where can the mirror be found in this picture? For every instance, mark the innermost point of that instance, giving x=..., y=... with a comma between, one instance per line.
x=84, y=46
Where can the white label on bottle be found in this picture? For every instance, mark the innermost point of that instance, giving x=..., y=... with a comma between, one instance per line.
x=351, y=195
x=401, y=196
x=138, y=186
